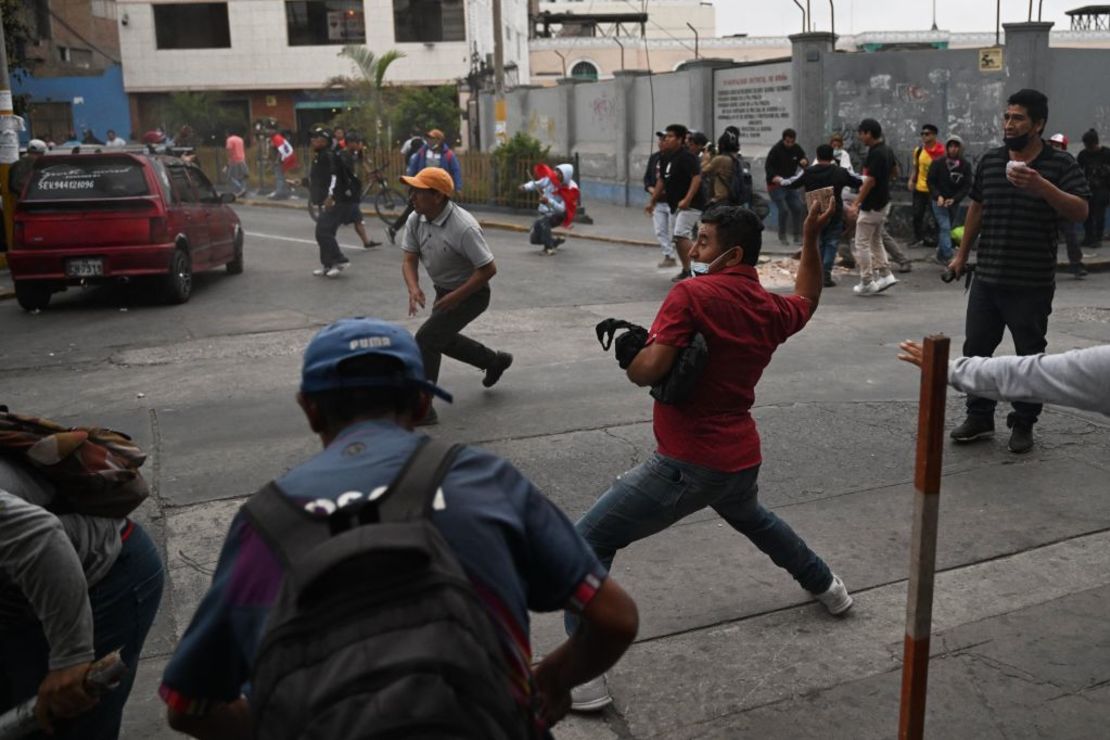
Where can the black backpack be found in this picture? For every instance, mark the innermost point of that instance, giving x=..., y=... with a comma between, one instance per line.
x=740, y=183
x=377, y=632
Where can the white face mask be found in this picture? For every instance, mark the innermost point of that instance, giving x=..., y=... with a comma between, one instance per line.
x=706, y=268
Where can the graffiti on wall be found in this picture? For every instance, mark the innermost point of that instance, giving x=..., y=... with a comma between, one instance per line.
x=541, y=127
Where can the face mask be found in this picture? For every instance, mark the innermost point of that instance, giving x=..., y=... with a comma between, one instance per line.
x=1016, y=143
x=706, y=268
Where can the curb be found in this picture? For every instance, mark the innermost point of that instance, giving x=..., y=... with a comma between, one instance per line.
x=484, y=223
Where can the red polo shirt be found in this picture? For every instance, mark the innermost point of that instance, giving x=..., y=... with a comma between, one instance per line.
x=742, y=324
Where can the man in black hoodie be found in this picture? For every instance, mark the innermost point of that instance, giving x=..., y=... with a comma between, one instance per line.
x=827, y=173
x=949, y=181
x=784, y=160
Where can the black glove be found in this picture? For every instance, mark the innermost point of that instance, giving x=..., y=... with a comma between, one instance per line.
x=628, y=344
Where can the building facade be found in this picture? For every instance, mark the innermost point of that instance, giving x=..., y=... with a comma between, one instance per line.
x=270, y=58
x=70, y=82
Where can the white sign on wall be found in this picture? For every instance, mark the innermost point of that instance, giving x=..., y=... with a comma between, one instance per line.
x=758, y=100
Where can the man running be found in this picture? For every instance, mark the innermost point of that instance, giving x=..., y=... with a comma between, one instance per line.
x=449, y=243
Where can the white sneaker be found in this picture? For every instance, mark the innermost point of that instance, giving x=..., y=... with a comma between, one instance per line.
x=836, y=599
x=319, y=272
x=333, y=272
x=885, y=282
x=342, y=266
x=868, y=288
x=591, y=696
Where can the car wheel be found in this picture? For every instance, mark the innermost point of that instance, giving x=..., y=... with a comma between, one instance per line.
x=179, y=283
x=32, y=295
x=235, y=267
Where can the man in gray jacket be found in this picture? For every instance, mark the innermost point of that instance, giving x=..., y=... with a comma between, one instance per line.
x=72, y=589
x=1077, y=378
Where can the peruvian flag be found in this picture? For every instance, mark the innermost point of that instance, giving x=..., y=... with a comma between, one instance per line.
x=285, y=151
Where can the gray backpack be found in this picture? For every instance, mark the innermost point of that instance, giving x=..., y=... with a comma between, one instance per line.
x=377, y=632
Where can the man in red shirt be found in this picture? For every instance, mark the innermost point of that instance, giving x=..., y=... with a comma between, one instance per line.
x=708, y=449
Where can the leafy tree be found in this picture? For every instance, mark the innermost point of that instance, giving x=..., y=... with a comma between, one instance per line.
x=513, y=162
x=366, y=89
x=17, y=33
x=422, y=108
x=199, y=111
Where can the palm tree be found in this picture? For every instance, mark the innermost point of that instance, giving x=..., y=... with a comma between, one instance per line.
x=368, y=83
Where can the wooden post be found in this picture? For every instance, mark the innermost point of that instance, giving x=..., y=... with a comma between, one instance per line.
x=923, y=550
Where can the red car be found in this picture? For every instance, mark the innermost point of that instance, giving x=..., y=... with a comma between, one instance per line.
x=87, y=218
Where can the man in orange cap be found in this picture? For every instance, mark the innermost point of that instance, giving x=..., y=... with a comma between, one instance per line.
x=449, y=243
x=434, y=153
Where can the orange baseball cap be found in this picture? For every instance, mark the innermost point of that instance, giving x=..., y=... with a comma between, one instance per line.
x=435, y=134
x=432, y=178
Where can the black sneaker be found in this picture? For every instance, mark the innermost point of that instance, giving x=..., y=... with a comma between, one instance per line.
x=500, y=365
x=370, y=244
x=392, y=233
x=829, y=282
x=973, y=428
x=1021, y=437
x=558, y=242
x=1079, y=270
x=680, y=276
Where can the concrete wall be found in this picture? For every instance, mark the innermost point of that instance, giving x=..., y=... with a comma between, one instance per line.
x=611, y=123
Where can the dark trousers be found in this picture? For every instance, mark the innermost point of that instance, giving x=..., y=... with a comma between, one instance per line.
x=541, y=230
x=921, y=209
x=787, y=200
x=1071, y=241
x=327, y=226
x=1095, y=226
x=123, y=604
x=990, y=310
x=440, y=335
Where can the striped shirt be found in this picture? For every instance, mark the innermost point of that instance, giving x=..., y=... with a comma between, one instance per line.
x=1017, y=240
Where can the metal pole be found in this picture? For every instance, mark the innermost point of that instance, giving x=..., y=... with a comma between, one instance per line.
x=695, y=39
x=923, y=545
x=500, y=113
x=809, y=17
x=832, y=21
x=934, y=15
x=998, y=23
x=622, y=51
x=9, y=144
x=803, y=15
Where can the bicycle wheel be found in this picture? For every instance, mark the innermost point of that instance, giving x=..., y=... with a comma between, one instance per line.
x=388, y=204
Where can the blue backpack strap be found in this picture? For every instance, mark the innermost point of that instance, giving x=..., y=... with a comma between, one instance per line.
x=290, y=531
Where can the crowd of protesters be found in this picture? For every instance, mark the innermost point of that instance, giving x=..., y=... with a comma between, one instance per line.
x=286, y=639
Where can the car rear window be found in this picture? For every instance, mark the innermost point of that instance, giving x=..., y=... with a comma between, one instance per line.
x=95, y=178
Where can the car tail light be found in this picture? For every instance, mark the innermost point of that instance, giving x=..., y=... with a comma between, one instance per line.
x=158, y=231
x=17, y=235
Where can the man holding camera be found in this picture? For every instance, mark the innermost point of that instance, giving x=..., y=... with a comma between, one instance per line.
x=1020, y=193
x=708, y=451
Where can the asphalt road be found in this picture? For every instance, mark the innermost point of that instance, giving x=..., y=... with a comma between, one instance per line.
x=728, y=645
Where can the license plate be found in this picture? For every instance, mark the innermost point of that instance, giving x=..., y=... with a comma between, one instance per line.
x=85, y=268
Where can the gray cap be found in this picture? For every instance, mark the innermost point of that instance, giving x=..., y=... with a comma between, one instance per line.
x=954, y=138
x=36, y=146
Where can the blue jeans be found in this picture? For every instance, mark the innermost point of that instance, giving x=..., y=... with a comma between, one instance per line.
x=657, y=493
x=945, y=217
x=123, y=604
x=281, y=187
x=787, y=199
x=830, y=239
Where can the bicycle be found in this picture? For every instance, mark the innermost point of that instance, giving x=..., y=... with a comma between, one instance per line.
x=388, y=202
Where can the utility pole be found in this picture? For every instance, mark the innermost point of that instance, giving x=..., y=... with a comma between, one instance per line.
x=9, y=142
x=500, y=113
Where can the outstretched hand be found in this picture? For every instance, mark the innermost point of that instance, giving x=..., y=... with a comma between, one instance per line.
x=911, y=352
